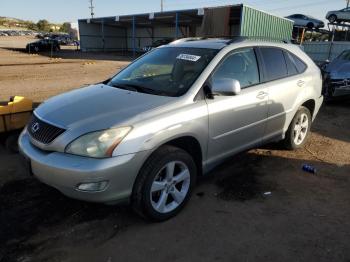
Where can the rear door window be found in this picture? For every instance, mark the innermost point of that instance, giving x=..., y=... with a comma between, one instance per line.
x=274, y=62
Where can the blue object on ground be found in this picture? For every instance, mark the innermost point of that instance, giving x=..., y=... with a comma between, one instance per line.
x=310, y=169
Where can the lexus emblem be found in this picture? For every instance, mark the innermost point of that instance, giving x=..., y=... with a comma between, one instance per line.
x=35, y=127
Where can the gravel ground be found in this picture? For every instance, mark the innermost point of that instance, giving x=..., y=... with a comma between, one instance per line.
x=40, y=76
x=258, y=206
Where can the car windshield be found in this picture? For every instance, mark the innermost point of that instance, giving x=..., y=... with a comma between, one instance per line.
x=168, y=71
x=345, y=55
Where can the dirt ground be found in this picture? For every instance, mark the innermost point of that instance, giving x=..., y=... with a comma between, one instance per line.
x=258, y=206
x=40, y=76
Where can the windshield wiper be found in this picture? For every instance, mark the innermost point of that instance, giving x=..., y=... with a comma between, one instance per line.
x=136, y=88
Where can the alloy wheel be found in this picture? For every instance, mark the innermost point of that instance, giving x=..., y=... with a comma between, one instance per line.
x=170, y=187
x=301, y=128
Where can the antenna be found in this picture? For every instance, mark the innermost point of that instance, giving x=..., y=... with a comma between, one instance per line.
x=161, y=5
x=92, y=8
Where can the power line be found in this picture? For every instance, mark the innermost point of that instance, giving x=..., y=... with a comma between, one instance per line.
x=299, y=6
x=220, y=2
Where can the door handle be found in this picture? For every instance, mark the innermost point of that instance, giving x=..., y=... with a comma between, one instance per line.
x=300, y=83
x=261, y=95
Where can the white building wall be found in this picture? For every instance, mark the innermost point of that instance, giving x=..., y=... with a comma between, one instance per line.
x=144, y=35
x=95, y=38
x=114, y=38
x=89, y=36
x=120, y=39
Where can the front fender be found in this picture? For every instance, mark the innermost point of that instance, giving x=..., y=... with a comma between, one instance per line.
x=150, y=134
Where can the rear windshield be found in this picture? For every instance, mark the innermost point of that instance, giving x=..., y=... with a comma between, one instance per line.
x=168, y=71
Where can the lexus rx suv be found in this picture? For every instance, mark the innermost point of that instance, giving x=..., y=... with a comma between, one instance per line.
x=146, y=134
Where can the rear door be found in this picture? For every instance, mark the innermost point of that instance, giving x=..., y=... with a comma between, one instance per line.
x=283, y=75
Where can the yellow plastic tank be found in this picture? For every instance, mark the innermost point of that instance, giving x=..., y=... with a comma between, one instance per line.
x=15, y=113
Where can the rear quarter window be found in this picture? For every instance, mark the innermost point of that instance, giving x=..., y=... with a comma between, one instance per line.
x=301, y=66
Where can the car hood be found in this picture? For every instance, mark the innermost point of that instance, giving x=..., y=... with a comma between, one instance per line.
x=339, y=69
x=98, y=107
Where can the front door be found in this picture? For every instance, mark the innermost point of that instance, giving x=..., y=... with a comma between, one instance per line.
x=237, y=122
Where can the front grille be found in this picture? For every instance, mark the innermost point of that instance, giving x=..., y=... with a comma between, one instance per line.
x=43, y=132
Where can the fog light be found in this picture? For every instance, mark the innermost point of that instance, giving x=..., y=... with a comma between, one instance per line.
x=93, y=186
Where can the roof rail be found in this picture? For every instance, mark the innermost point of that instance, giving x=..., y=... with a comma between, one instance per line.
x=188, y=39
x=232, y=39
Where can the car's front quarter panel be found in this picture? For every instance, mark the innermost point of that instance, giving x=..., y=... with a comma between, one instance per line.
x=185, y=120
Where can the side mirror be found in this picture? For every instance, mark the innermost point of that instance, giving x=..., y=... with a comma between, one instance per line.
x=226, y=87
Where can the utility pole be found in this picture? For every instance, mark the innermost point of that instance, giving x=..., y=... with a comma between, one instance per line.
x=92, y=8
x=162, y=5
x=347, y=3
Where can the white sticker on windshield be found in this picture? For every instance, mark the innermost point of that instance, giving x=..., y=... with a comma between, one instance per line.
x=192, y=58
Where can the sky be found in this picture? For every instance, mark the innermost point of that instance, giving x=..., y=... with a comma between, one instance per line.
x=71, y=10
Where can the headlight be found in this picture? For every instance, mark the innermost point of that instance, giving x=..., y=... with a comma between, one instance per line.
x=98, y=144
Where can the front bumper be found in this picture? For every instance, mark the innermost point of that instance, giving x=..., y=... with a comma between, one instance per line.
x=65, y=172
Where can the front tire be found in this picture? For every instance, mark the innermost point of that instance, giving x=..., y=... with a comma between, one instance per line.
x=11, y=143
x=164, y=184
x=299, y=129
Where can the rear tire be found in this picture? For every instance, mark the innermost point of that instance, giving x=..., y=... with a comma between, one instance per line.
x=332, y=18
x=299, y=129
x=310, y=25
x=164, y=184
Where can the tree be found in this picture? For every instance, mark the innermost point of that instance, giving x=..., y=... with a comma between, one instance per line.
x=32, y=26
x=43, y=25
x=65, y=27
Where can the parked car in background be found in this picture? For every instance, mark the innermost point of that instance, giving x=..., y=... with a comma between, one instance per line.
x=336, y=76
x=146, y=134
x=342, y=15
x=43, y=45
x=157, y=43
x=63, y=39
x=306, y=21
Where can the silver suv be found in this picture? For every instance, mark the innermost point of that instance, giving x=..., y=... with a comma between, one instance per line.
x=146, y=134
